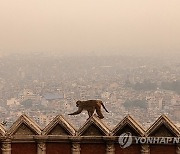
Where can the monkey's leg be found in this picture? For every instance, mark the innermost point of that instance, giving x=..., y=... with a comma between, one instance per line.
x=90, y=113
x=98, y=111
x=77, y=112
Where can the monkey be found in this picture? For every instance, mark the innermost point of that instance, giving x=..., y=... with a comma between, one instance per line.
x=90, y=106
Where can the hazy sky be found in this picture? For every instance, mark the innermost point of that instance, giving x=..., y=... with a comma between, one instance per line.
x=90, y=25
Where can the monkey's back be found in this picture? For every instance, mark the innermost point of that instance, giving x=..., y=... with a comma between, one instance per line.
x=91, y=103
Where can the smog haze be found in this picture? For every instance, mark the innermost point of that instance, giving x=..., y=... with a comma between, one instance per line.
x=90, y=26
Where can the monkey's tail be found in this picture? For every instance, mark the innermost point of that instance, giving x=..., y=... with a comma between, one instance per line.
x=104, y=107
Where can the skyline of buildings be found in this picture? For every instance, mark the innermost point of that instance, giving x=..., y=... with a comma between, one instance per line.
x=43, y=87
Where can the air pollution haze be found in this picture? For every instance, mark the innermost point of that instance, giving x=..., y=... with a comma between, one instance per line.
x=56, y=52
x=90, y=26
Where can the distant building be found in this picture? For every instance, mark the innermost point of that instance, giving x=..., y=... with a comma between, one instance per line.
x=176, y=111
x=28, y=94
x=12, y=101
x=53, y=96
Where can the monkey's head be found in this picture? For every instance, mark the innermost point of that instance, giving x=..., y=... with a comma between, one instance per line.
x=78, y=103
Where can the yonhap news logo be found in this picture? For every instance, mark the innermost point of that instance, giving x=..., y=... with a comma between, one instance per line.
x=126, y=139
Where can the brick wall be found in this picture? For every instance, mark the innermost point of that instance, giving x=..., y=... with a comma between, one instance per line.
x=94, y=137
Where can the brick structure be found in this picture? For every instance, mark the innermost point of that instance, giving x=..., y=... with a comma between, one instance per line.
x=94, y=137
